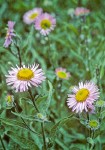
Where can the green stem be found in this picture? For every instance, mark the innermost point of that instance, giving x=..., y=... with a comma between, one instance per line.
x=19, y=55
x=2, y=143
x=88, y=116
x=20, y=61
x=32, y=98
x=43, y=133
x=92, y=136
x=98, y=77
x=92, y=147
x=49, y=53
x=99, y=80
x=79, y=3
x=49, y=50
x=24, y=120
x=42, y=123
x=28, y=126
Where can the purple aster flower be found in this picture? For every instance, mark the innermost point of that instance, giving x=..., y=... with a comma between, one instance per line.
x=80, y=11
x=45, y=23
x=10, y=34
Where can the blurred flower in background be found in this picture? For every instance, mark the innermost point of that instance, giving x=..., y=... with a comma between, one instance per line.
x=83, y=97
x=21, y=78
x=62, y=74
x=100, y=103
x=45, y=23
x=81, y=11
x=10, y=34
x=70, y=12
x=30, y=16
x=47, y=3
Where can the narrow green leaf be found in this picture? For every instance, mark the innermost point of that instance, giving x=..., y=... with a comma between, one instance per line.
x=49, y=95
x=23, y=142
x=42, y=99
x=103, y=114
x=61, y=144
x=102, y=72
x=43, y=102
x=90, y=140
x=31, y=118
x=75, y=54
x=13, y=123
x=74, y=29
x=78, y=147
x=58, y=125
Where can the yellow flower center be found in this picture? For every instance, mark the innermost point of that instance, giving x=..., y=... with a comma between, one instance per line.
x=25, y=74
x=45, y=24
x=93, y=124
x=82, y=95
x=62, y=74
x=33, y=16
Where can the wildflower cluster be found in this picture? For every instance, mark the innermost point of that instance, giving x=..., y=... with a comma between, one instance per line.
x=43, y=22
x=80, y=98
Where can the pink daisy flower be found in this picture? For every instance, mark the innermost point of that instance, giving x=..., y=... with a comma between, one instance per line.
x=45, y=23
x=21, y=78
x=62, y=74
x=30, y=16
x=10, y=34
x=83, y=97
x=79, y=11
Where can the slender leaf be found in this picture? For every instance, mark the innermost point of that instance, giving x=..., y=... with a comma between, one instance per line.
x=23, y=142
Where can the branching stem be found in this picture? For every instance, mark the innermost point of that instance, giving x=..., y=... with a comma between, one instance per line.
x=2, y=143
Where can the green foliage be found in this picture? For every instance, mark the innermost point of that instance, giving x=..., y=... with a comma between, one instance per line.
x=13, y=123
x=59, y=125
x=77, y=44
x=22, y=142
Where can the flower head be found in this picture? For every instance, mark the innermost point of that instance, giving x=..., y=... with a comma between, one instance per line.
x=93, y=124
x=83, y=97
x=41, y=117
x=10, y=34
x=45, y=23
x=9, y=100
x=21, y=78
x=30, y=16
x=81, y=11
x=100, y=103
x=62, y=74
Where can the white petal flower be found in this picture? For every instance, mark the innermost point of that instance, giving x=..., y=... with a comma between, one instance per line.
x=83, y=97
x=45, y=23
x=21, y=78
